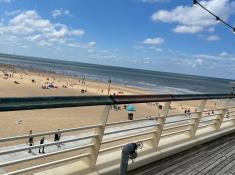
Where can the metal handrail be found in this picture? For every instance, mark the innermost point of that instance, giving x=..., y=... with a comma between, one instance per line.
x=177, y=126
x=30, y=103
x=175, y=132
x=48, y=133
x=205, y=125
x=131, y=129
x=121, y=145
x=46, y=145
x=129, y=121
x=128, y=136
x=177, y=121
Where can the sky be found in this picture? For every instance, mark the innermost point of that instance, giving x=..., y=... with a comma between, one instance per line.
x=161, y=35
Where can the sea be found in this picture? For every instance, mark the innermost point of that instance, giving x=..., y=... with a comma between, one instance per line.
x=155, y=81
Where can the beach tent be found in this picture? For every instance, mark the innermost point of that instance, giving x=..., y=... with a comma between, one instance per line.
x=130, y=108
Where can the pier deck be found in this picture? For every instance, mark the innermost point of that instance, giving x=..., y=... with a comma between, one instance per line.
x=216, y=157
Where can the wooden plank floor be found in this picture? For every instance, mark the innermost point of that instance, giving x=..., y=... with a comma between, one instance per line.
x=213, y=158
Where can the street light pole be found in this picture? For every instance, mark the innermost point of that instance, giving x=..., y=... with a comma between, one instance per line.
x=109, y=86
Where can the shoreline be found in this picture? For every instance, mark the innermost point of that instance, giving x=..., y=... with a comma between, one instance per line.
x=141, y=89
x=129, y=89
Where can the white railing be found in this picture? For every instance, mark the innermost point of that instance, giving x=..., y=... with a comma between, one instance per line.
x=102, y=138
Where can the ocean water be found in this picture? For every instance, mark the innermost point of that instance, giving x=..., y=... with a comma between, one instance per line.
x=159, y=82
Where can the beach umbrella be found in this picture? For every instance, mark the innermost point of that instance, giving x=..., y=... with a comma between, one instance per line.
x=130, y=108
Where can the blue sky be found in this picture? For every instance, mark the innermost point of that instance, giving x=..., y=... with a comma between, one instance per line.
x=162, y=35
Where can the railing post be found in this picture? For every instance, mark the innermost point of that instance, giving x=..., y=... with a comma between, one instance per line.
x=160, y=122
x=197, y=118
x=220, y=119
x=98, y=140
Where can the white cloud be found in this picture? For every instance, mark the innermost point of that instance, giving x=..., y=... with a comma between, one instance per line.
x=34, y=37
x=147, y=58
x=77, y=32
x=36, y=29
x=195, y=19
x=88, y=45
x=157, y=49
x=208, y=57
x=187, y=29
x=60, y=12
x=44, y=43
x=223, y=54
x=66, y=12
x=154, y=41
x=56, y=13
x=213, y=38
x=218, y=57
x=197, y=62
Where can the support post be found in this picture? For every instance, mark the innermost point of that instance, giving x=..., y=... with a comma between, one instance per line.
x=160, y=122
x=98, y=140
x=196, y=119
x=220, y=119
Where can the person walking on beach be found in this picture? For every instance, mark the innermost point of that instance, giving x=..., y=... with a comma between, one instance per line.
x=57, y=137
x=30, y=141
x=42, y=148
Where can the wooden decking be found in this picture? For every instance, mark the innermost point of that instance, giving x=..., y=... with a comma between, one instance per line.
x=213, y=158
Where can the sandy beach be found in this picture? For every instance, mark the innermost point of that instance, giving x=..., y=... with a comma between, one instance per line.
x=18, y=82
x=24, y=83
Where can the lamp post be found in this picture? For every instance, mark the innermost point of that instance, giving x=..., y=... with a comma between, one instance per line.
x=13, y=71
x=109, y=85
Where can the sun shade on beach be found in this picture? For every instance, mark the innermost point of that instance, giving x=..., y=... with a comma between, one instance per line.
x=130, y=108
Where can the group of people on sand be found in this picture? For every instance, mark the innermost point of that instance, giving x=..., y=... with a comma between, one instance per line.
x=30, y=141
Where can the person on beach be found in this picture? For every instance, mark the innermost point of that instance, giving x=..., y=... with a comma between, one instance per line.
x=30, y=141
x=57, y=137
x=188, y=112
x=41, y=143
